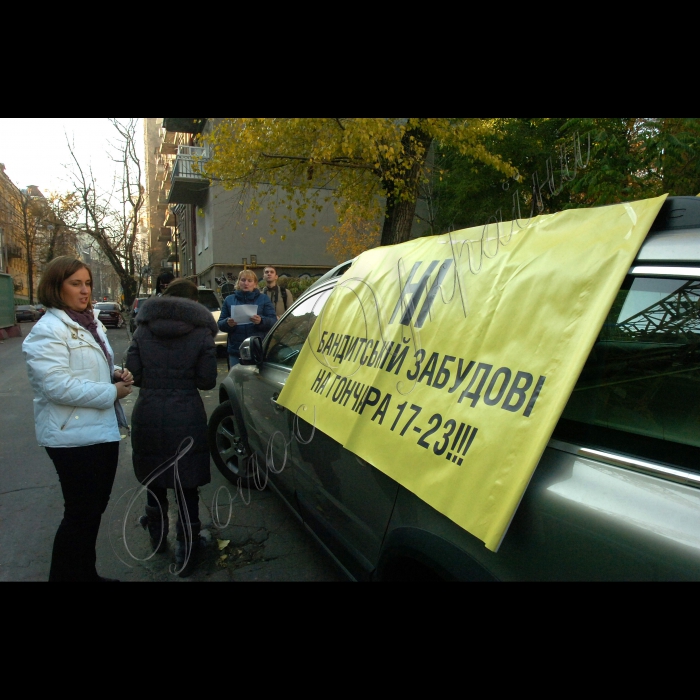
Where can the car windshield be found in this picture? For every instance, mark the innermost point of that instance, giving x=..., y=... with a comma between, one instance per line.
x=106, y=307
x=24, y=307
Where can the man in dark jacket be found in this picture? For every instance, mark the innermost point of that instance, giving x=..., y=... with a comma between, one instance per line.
x=280, y=297
x=172, y=355
x=246, y=294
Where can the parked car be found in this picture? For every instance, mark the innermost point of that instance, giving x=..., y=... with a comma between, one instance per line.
x=615, y=496
x=110, y=313
x=213, y=302
x=41, y=309
x=133, y=312
x=27, y=312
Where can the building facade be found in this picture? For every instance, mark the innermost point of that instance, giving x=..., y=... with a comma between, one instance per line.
x=203, y=231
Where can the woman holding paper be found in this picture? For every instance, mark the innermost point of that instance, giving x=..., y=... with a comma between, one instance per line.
x=245, y=313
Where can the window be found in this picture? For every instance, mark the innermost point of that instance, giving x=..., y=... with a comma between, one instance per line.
x=286, y=341
x=638, y=391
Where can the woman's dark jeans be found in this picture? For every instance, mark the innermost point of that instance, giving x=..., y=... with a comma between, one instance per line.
x=87, y=476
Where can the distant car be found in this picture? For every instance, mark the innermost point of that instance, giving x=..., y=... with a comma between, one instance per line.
x=135, y=309
x=27, y=312
x=213, y=302
x=110, y=313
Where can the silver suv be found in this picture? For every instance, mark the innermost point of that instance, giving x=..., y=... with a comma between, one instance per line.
x=615, y=496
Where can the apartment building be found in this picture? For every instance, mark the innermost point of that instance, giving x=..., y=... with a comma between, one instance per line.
x=202, y=231
x=13, y=256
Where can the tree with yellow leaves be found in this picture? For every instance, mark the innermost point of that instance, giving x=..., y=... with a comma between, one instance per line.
x=358, y=163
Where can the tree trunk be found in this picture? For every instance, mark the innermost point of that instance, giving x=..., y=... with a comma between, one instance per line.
x=401, y=207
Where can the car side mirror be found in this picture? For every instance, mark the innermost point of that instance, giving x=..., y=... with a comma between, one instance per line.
x=251, y=351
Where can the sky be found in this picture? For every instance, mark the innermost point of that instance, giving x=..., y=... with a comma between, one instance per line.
x=35, y=151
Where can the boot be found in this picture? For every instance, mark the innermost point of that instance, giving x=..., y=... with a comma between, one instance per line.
x=158, y=526
x=182, y=547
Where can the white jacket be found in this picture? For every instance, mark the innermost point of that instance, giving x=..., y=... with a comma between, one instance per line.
x=73, y=391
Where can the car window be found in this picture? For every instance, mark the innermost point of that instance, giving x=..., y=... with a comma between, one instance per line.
x=106, y=306
x=287, y=339
x=208, y=298
x=642, y=377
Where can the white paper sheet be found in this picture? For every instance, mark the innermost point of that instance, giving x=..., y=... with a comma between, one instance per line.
x=243, y=312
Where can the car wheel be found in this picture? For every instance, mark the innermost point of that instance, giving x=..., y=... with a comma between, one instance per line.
x=228, y=447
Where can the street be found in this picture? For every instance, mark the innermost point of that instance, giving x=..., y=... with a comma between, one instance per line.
x=262, y=542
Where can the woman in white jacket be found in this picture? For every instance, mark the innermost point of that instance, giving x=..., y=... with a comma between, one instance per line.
x=76, y=410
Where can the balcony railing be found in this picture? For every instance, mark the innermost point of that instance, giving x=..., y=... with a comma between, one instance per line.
x=188, y=183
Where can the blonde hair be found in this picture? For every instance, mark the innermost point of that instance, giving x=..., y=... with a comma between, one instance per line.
x=249, y=274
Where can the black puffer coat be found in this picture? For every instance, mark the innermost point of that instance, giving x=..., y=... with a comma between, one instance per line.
x=171, y=356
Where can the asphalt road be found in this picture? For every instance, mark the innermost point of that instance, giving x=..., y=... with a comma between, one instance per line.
x=262, y=541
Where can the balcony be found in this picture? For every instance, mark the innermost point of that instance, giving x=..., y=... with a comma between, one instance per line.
x=186, y=126
x=170, y=219
x=164, y=233
x=188, y=184
x=168, y=149
x=13, y=251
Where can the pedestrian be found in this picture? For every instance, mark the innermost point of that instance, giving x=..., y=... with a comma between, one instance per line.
x=77, y=413
x=247, y=293
x=280, y=296
x=162, y=281
x=172, y=355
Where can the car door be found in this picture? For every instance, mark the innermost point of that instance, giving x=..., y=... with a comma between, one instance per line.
x=270, y=426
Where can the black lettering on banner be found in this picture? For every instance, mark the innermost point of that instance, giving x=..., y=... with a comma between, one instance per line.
x=517, y=390
x=359, y=349
x=363, y=359
x=337, y=393
x=438, y=383
x=371, y=398
x=358, y=393
x=329, y=342
x=343, y=347
x=336, y=343
x=318, y=382
x=533, y=398
x=419, y=356
x=397, y=359
x=347, y=393
x=351, y=349
x=415, y=289
x=460, y=375
x=427, y=304
x=321, y=344
x=373, y=359
x=335, y=379
x=487, y=396
x=450, y=425
x=385, y=353
x=429, y=369
x=435, y=418
x=383, y=408
x=476, y=395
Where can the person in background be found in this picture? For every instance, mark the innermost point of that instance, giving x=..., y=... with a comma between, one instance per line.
x=172, y=355
x=162, y=282
x=280, y=296
x=77, y=413
x=247, y=292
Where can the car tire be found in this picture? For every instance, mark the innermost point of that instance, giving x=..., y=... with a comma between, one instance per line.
x=228, y=446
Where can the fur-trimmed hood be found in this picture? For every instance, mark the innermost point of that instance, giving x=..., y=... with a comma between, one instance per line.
x=170, y=317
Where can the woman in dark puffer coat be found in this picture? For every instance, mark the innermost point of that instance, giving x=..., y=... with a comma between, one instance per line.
x=171, y=356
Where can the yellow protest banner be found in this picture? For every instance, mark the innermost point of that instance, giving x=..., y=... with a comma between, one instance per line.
x=446, y=361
